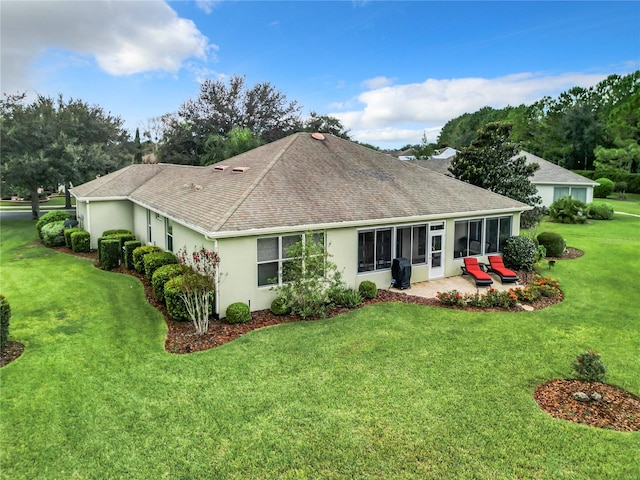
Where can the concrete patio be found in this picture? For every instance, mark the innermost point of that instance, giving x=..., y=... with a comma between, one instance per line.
x=461, y=283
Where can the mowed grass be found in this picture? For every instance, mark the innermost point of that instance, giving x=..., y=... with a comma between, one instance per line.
x=387, y=391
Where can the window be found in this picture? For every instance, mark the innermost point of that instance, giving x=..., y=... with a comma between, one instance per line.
x=169, y=228
x=470, y=241
x=273, y=256
x=559, y=192
x=411, y=243
x=579, y=193
x=468, y=238
x=374, y=250
x=149, y=226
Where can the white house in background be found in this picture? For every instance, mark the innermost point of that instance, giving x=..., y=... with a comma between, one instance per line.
x=552, y=181
x=445, y=154
x=367, y=207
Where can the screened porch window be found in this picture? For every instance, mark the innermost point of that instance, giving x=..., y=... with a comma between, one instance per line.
x=468, y=238
x=411, y=243
x=374, y=250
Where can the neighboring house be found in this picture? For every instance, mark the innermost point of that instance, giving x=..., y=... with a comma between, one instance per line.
x=367, y=207
x=551, y=180
x=445, y=154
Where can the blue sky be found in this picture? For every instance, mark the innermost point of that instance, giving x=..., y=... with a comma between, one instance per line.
x=391, y=71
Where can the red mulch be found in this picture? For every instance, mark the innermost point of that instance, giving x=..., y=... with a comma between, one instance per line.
x=617, y=410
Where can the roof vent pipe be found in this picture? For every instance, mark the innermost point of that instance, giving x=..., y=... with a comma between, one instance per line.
x=317, y=136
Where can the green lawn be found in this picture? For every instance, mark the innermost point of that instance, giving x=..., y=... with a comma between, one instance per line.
x=631, y=204
x=387, y=391
x=53, y=202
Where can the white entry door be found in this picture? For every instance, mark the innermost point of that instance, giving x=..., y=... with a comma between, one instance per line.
x=436, y=250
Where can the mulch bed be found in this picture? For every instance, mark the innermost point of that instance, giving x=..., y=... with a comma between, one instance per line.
x=617, y=410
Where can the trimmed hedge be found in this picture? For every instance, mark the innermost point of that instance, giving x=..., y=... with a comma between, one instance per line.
x=519, y=253
x=50, y=217
x=154, y=260
x=162, y=275
x=368, y=289
x=138, y=256
x=81, y=241
x=604, y=188
x=129, y=247
x=120, y=231
x=631, y=179
x=5, y=316
x=53, y=234
x=122, y=237
x=238, y=313
x=600, y=211
x=67, y=235
x=553, y=242
x=110, y=257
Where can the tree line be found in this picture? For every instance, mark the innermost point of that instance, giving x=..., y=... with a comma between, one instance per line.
x=582, y=129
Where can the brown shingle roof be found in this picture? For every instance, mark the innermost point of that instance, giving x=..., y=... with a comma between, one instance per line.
x=299, y=181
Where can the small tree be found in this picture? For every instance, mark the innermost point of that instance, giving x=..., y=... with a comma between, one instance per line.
x=308, y=278
x=198, y=286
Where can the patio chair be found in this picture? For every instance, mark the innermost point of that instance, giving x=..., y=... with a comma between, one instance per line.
x=496, y=266
x=474, y=270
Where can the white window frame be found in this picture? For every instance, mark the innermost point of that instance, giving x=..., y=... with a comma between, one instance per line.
x=283, y=244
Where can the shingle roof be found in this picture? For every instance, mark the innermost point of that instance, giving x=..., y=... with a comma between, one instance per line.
x=547, y=173
x=299, y=181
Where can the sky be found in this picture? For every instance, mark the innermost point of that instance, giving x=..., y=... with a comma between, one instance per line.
x=393, y=72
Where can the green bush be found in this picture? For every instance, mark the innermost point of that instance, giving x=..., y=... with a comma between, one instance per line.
x=238, y=313
x=67, y=235
x=589, y=367
x=175, y=305
x=162, y=275
x=568, y=210
x=5, y=316
x=81, y=241
x=600, y=211
x=121, y=236
x=345, y=297
x=154, y=260
x=541, y=252
x=604, y=188
x=138, y=256
x=110, y=257
x=519, y=253
x=53, y=234
x=117, y=231
x=50, y=217
x=279, y=306
x=553, y=242
x=631, y=179
x=129, y=247
x=368, y=289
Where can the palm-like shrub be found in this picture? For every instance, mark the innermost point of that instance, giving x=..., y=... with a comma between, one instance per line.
x=568, y=210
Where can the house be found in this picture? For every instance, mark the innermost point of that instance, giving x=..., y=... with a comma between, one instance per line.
x=445, y=154
x=551, y=180
x=367, y=207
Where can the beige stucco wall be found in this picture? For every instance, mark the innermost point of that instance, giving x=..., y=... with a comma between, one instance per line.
x=105, y=215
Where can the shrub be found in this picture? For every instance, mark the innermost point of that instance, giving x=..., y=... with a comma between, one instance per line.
x=345, y=297
x=553, y=243
x=173, y=289
x=451, y=298
x=279, y=306
x=81, y=241
x=5, y=316
x=162, y=275
x=545, y=286
x=519, y=253
x=621, y=189
x=604, y=188
x=110, y=257
x=368, y=289
x=589, y=367
x=497, y=298
x=121, y=236
x=50, y=217
x=117, y=231
x=138, y=256
x=541, y=252
x=175, y=305
x=53, y=234
x=129, y=247
x=600, y=211
x=67, y=235
x=238, y=313
x=568, y=210
x=154, y=260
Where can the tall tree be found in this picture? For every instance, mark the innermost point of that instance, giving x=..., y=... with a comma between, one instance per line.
x=491, y=162
x=325, y=124
x=239, y=140
x=49, y=141
x=218, y=108
x=137, y=146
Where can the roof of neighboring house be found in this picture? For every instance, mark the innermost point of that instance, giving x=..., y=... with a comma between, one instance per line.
x=445, y=153
x=548, y=173
x=297, y=181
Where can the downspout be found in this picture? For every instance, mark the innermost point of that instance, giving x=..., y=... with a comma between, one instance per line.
x=216, y=281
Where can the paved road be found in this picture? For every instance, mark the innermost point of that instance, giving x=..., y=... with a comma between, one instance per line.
x=20, y=214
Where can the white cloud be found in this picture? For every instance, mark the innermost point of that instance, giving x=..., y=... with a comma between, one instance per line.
x=207, y=6
x=124, y=37
x=377, y=82
x=395, y=111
